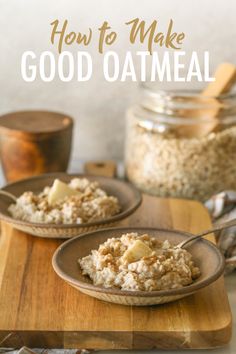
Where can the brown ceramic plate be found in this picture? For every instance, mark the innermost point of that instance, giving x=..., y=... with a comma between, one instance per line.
x=205, y=254
x=128, y=196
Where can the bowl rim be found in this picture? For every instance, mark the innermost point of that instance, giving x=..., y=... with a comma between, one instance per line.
x=138, y=293
x=123, y=214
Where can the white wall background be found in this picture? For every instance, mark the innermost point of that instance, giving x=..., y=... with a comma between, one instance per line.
x=97, y=106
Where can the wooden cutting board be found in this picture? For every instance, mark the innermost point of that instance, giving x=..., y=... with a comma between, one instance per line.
x=38, y=309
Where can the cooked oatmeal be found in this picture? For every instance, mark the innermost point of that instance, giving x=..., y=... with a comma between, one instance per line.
x=80, y=201
x=134, y=262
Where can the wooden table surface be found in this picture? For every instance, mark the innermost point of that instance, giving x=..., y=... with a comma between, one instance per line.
x=38, y=309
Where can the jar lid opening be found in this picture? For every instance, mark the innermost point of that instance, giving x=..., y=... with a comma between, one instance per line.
x=172, y=90
x=174, y=104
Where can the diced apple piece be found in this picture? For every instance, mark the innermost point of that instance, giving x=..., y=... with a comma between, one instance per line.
x=135, y=252
x=60, y=190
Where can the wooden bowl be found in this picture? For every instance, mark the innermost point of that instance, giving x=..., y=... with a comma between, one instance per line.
x=128, y=196
x=65, y=263
x=34, y=142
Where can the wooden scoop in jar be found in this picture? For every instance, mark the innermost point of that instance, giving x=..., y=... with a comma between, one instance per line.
x=225, y=77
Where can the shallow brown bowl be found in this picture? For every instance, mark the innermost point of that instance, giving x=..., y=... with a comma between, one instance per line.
x=65, y=263
x=128, y=196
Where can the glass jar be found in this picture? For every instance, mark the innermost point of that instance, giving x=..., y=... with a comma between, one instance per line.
x=181, y=143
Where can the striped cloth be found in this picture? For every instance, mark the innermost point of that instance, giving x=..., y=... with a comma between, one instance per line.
x=222, y=207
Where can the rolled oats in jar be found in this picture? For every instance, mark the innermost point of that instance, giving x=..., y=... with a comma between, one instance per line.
x=181, y=144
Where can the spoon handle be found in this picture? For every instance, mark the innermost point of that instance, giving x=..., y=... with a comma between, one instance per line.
x=8, y=195
x=219, y=227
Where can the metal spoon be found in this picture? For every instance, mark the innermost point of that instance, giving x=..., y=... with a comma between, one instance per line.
x=219, y=227
x=8, y=195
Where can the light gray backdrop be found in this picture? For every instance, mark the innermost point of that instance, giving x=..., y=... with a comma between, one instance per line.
x=97, y=106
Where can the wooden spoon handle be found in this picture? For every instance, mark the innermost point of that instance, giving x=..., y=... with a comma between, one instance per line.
x=225, y=77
